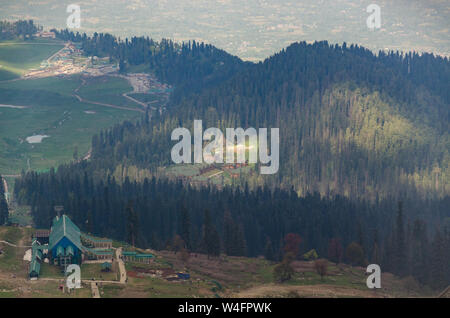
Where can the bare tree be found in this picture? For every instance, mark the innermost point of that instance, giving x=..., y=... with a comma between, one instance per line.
x=321, y=266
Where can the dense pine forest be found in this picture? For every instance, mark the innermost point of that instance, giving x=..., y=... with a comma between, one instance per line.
x=189, y=66
x=24, y=29
x=351, y=123
x=236, y=221
x=364, y=157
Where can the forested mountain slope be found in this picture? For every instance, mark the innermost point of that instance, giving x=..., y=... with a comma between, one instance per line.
x=190, y=66
x=358, y=133
x=351, y=123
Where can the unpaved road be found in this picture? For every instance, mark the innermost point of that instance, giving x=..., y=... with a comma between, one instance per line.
x=13, y=106
x=134, y=100
x=81, y=99
x=13, y=245
x=51, y=57
x=95, y=292
x=320, y=290
x=122, y=271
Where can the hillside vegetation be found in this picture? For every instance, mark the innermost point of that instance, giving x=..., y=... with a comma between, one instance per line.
x=215, y=277
x=360, y=134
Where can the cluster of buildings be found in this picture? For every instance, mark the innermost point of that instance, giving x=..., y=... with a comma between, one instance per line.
x=65, y=244
x=43, y=34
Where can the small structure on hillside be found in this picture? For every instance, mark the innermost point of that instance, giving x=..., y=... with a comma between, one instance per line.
x=106, y=267
x=137, y=257
x=43, y=34
x=64, y=242
x=90, y=241
x=63, y=246
x=36, y=259
x=42, y=236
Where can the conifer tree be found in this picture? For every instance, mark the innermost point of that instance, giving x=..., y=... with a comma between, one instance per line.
x=400, y=256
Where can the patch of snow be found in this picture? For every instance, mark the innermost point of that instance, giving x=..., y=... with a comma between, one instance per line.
x=27, y=256
x=36, y=139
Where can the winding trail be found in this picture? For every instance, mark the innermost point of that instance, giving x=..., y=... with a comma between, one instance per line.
x=134, y=100
x=14, y=245
x=81, y=99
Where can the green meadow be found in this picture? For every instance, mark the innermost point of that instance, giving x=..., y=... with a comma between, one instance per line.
x=49, y=107
x=53, y=111
x=109, y=90
x=17, y=57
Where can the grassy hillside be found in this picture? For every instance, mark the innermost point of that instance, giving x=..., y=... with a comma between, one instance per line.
x=17, y=57
x=47, y=106
x=214, y=277
x=51, y=109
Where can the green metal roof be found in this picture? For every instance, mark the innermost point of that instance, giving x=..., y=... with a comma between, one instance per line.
x=102, y=253
x=129, y=253
x=144, y=255
x=36, y=254
x=36, y=251
x=35, y=266
x=64, y=227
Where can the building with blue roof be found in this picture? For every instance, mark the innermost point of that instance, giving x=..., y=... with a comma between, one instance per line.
x=66, y=245
x=64, y=242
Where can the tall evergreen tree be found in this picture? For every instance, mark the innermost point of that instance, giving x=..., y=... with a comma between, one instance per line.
x=268, y=250
x=335, y=250
x=401, y=256
x=438, y=262
x=420, y=252
x=211, y=239
x=185, y=227
x=132, y=224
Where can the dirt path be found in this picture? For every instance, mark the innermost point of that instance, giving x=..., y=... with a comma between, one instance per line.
x=321, y=290
x=81, y=99
x=95, y=292
x=13, y=106
x=14, y=245
x=122, y=271
x=107, y=105
x=51, y=57
x=134, y=100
